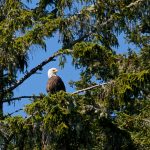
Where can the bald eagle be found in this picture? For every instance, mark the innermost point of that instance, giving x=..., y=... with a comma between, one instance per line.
x=54, y=83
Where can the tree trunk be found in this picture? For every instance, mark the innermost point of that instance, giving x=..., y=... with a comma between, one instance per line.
x=1, y=92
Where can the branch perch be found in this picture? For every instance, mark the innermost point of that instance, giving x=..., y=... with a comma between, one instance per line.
x=76, y=92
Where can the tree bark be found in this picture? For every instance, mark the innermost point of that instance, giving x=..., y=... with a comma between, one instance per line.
x=1, y=93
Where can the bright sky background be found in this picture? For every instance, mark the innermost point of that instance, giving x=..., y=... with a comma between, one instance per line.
x=37, y=83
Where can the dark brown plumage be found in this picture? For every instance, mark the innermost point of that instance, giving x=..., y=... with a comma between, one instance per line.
x=55, y=84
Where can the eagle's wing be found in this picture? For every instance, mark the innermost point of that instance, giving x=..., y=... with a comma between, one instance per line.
x=55, y=84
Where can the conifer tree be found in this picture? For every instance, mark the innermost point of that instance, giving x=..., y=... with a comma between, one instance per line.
x=88, y=31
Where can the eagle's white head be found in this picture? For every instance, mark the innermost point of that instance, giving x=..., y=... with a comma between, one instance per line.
x=52, y=72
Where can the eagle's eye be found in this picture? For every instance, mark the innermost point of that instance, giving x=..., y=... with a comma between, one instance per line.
x=54, y=70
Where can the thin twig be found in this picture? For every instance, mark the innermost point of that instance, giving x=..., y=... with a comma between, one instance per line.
x=21, y=97
x=31, y=115
x=10, y=114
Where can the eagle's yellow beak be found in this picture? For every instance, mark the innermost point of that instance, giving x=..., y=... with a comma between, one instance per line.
x=55, y=70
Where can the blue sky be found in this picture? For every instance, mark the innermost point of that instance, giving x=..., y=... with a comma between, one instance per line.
x=37, y=83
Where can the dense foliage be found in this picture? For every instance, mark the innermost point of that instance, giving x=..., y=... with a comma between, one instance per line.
x=112, y=116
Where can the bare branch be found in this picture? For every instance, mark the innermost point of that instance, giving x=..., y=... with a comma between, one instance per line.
x=91, y=87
